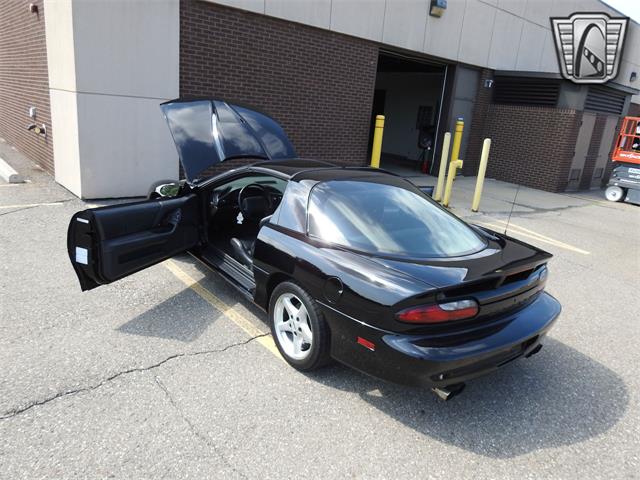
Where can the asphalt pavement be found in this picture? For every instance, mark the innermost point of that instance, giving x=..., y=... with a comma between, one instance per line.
x=169, y=374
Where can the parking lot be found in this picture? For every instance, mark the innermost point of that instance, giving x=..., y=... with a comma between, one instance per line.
x=169, y=374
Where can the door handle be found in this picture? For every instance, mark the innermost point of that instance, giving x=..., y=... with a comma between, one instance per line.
x=169, y=224
x=174, y=218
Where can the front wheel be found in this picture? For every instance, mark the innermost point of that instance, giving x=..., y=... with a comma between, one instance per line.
x=298, y=327
x=614, y=194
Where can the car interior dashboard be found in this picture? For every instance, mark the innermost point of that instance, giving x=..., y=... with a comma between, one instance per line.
x=237, y=210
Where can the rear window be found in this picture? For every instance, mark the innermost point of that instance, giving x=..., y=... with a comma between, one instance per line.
x=381, y=218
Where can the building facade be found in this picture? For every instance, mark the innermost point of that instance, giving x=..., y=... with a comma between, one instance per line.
x=96, y=71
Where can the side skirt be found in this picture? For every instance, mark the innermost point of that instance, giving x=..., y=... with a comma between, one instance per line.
x=229, y=269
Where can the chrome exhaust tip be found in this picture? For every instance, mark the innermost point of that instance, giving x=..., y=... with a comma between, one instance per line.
x=448, y=392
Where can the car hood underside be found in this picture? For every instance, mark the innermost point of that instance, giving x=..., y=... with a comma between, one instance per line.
x=207, y=132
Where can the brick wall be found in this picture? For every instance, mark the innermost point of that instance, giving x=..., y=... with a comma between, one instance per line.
x=532, y=146
x=318, y=85
x=24, y=80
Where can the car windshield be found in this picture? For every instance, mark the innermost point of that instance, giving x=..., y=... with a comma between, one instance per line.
x=385, y=218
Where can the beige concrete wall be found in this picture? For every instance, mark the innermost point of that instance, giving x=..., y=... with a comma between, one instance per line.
x=499, y=34
x=62, y=93
x=66, y=151
x=111, y=64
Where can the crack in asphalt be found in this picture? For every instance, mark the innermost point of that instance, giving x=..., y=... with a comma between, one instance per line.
x=198, y=434
x=17, y=411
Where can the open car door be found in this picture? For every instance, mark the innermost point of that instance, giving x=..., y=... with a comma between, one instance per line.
x=109, y=243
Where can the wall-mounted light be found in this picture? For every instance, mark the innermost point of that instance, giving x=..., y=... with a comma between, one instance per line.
x=488, y=83
x=633, y=77
x=38, y=129
x=33, y=8
x=437, y=8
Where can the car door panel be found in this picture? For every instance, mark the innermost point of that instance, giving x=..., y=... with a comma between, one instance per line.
x=108, y=243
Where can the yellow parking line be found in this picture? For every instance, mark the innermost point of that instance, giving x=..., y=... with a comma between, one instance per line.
x=223, y=308
x=29, y=205
x=525, y=232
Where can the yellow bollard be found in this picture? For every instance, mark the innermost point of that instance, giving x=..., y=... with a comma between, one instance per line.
x=455, y=161
x=437, y=195
x=376, y=150
x=484, y=158
x=457, y=140
x=453, y=166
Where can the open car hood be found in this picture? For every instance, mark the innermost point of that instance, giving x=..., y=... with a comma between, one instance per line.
x=207, y=132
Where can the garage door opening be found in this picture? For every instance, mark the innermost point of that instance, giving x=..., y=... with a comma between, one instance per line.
x=409, y=93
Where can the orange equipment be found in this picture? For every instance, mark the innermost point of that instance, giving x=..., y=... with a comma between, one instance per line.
x=624, y=183
x=627, y=148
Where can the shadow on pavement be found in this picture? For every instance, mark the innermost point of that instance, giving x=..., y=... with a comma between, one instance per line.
x=559, y=397
x=176, y=319
x=169, y=320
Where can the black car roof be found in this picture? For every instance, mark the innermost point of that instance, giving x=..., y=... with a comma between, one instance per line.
x=316, y=170
x=341, y=173
x=292, y=167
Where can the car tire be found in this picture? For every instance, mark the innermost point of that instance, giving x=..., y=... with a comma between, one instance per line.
x=152, y=194
x=289, y=331
x=615, y=194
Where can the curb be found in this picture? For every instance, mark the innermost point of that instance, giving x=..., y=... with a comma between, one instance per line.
x=8, y=174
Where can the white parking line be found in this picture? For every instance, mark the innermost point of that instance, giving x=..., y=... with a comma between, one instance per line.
x=30, y=205
x=499, y=225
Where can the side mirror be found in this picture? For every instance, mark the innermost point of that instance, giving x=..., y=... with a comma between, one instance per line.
x=169, y=189
x=164, y=189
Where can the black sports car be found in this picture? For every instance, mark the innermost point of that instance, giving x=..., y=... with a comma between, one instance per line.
x=350, y=263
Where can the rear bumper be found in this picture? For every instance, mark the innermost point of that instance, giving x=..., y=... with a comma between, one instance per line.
x=429, y=360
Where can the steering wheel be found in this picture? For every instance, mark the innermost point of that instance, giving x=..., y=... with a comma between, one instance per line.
x=254, y=201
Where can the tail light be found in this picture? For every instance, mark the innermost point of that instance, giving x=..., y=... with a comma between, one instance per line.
x=441, y=312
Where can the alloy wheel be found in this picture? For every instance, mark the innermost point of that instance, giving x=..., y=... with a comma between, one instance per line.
x=292, y=327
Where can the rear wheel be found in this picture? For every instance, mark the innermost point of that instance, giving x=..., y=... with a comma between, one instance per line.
x=300, y=331
x=615, y=194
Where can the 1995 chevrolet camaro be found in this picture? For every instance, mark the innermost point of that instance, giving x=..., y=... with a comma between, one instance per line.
x=354, y=264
